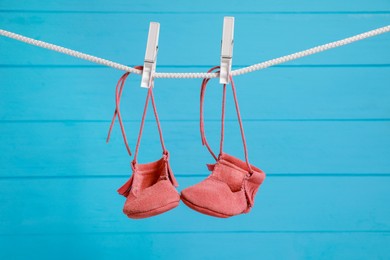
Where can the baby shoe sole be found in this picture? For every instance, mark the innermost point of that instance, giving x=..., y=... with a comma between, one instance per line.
x=154, y=212
x=204, y=210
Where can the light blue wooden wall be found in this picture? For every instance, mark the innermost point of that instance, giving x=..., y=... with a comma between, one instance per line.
x=319, y=127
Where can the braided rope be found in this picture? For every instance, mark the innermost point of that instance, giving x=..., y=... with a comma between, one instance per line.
x=258, y=66
x=311, y=51
x=70, y=52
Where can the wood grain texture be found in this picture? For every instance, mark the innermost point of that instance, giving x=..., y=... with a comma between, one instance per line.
x=202, y=6
x=319, y=93
x=284, y=204
x=300, y=245
x=193, y=39
x=77, y=148
x=318, y=126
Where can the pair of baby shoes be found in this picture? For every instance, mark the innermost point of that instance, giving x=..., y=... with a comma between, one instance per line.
x=229, y=190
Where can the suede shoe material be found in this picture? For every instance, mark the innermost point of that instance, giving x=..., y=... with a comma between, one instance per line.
x=231, y=187
x=228, y=191
x=151, y=188
x=150, y=191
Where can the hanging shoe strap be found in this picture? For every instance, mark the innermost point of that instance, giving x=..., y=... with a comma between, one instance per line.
x=118, y=95
x=202, y=131
x=240, y=122
x=151, y=97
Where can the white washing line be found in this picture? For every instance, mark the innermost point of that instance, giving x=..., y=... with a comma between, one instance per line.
x=258, y=66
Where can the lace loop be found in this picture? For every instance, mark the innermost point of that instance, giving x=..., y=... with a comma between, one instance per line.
x=202, y=131
x=118, y=95
x=151, y=97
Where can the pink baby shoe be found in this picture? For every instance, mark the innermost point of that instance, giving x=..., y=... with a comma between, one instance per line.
x=231, y=187
x=151, y=188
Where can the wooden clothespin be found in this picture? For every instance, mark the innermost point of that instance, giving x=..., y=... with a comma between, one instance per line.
x=227, y=49
x=150, y=55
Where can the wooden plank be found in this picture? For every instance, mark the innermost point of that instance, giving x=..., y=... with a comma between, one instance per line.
x=319, y=126
x=200, y=246
x=283, y=204
x=203, y=6
x=258, y=37
x=79, y=149
x=358, y=93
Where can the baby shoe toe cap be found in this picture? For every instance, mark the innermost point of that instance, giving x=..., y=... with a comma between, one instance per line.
x=152, y=198
x=214, y=196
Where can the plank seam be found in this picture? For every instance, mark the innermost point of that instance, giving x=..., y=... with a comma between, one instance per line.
x=71, y=121
x=69, y=66
x=206, y=232
x=120, y=176
x=377, y=12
